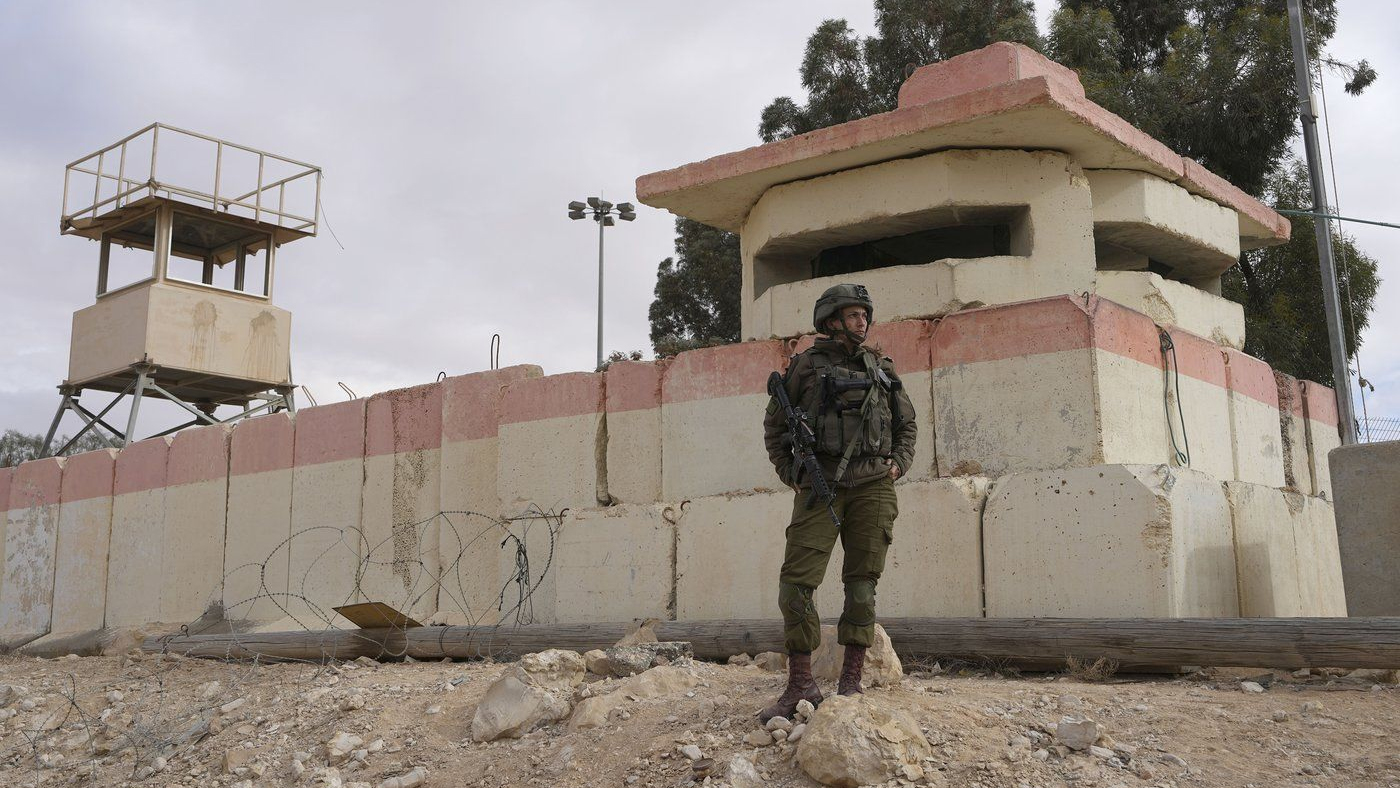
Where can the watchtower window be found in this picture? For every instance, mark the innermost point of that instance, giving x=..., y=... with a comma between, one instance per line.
x=219, y=254
x=963, y=241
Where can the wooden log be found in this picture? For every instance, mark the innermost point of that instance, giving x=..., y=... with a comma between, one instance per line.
x=1218, y=642
x=310, y=646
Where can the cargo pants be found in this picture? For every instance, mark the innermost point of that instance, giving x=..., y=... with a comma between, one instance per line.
x=867, y=516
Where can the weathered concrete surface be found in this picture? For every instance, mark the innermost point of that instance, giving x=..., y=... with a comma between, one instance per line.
x=1286, y=553
x=1293, y=433
x=1111, y=540
x=1162, y=220
x=551, y=451
x=6, y=477
x=1255, y=438
x=712, y=405
x=1041, y=195
x=328, y=469
x=1173, y=303
x=469, y=544
x=934, y=567
x=400, y=530
x=1366, y=482
x=259, y=527
x=137, y=552
x=616, y=563
x=84, y=532
x=194, y=525
x=31, y=539
x=1202, y=422
x=633, y=405
x=1324, y=433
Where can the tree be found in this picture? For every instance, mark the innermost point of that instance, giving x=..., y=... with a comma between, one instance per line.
x=697, y=291
x=17, y=447
x=1284, y=322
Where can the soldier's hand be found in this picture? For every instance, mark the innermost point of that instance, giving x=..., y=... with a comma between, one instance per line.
x=894, y=470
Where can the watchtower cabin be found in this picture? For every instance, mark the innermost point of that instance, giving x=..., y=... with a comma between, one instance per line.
x=188, y=229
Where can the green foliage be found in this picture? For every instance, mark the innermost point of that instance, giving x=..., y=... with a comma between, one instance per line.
x=697, y=291
x=17, y=447
x=1281, y=290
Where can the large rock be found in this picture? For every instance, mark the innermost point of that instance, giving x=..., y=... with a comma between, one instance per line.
x=853, y=741
x=658, y=682
x=512, y=708
x=624, y=661
x=593, y=712
x=882, y=666
x=555, y=669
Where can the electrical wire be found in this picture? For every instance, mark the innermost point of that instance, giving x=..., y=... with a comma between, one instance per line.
x=1171, y=374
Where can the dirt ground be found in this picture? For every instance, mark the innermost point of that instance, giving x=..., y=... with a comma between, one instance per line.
x=166, y=721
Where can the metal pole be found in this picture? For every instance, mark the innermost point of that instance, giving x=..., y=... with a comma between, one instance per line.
x=1330, y=300
x=601, y=225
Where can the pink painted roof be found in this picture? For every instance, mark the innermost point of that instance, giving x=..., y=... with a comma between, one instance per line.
x=1001, y=96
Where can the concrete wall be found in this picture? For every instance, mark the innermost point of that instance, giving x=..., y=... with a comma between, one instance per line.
x=1324, y=433
x=31, y=539
x=1366, y=483
x=257, y=552
x=328, y=471
x=1172, y=303
x=84, y=534
x=551, y=434
x=1286, y=553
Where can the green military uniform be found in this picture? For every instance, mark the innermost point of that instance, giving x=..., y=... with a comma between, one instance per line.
x=860, y=432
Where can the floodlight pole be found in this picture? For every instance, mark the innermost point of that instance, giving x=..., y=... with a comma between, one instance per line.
x=602, y=212
x=601, y=225
x=1331, y=301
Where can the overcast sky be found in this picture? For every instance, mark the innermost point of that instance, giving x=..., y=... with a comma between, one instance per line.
x=451, y=139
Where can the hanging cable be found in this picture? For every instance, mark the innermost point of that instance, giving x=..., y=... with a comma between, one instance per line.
x=1171, y=378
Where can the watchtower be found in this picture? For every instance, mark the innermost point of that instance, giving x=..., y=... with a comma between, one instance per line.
x=188, y=228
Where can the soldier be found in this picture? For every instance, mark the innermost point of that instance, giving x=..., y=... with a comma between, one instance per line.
x=865, y=432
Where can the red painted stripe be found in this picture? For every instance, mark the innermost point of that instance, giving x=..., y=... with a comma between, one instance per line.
x=724, y=371
x=471, y=404
x=6, y=475
x=1290, y=394
x=1028, y=328
x=141, y=466
x=1250, y=377
x=329, y=433
x=199, y=455
x=1125, y=332
x=1320, y=404
x=261, y=445
x=1198, y=357
x=404, y=420
x=552, y=396
x=991, y=65
x=37, y=483
x=633, y=385
x=91, y=474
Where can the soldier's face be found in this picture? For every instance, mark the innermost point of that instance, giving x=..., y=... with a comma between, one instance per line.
x=854, y=319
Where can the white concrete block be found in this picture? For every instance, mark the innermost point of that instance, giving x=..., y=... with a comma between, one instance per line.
x=257, y=550
x=1152, y=216
x=1109, y=541
x=1366, y=478
x=633, y=402
x=84, y=533
x=1286, y=547
x=1201, y=420
x=31, y=539
x=1172, y=303
x=328, y=470
x=934, y=566
x=551, y=446
x=193, y=540
x=1255, y=437
x=616, y=563
x=1323, y=431
x=137, y=551
x=1297, y=468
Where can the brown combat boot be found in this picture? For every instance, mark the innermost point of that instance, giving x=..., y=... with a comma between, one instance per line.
x=851, y=668
x=800, y=686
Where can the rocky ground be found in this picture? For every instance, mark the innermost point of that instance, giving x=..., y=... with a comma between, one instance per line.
x=167, y=721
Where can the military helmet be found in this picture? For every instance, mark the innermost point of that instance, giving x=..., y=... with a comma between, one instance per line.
x=837, y=298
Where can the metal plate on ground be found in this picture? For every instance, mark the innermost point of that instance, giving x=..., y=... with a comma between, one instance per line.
x=376, y=615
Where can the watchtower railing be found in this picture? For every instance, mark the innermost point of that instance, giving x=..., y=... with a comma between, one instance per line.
x=267, y=201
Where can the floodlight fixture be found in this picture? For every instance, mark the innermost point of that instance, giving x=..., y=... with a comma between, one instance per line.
x=606, y=215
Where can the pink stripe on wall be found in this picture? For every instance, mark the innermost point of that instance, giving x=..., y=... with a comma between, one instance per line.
x=1320, y=404
x=329, y=433
x=37, y=483
x=1198, y=357
x=633, y=385
x=1250, y=377
x=6, y=475
x=262, y=444
x=198, y=455
x=908, y=343
x=471, y=404
x=404, y=420
x=141, y=466
x=1290, y=394
x=724, y=371
x=1028, y=328
x=1125, y=332
x=91, y=474
x=552, y=396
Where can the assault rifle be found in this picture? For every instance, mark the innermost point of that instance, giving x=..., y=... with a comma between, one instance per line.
x=804, y=442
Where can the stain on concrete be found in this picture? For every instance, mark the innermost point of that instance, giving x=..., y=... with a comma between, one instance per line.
x=260, y=360
x=205, y=316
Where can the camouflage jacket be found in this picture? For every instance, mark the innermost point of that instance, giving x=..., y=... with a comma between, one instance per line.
x=886, y=433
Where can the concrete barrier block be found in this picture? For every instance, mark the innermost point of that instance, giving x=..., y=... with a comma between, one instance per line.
x=712, y=406
x=1171, y=303
x=6, y=476
x=1293, y=434
x=469, y=547
x=328, y=469
x=1109, y=541
x=633, y=403
x=1323, y=432
x=1255, y=438
x=401, y=495
x=551, y=451
x=193, y=541
x=1130, y=389
x=1320, y=577
x=909, y=344
x=934, y=567
x=259, y=519
x=527, y=580
x=1286, y=553
x=137, y=550
x=728, y=553
x=997, y=372
x=84, y=534
x=1366, y=483
x=616, y=563
x=1201, y=421
x=31, y=542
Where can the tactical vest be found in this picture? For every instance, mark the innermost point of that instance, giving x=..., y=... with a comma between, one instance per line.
x=853, y=417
